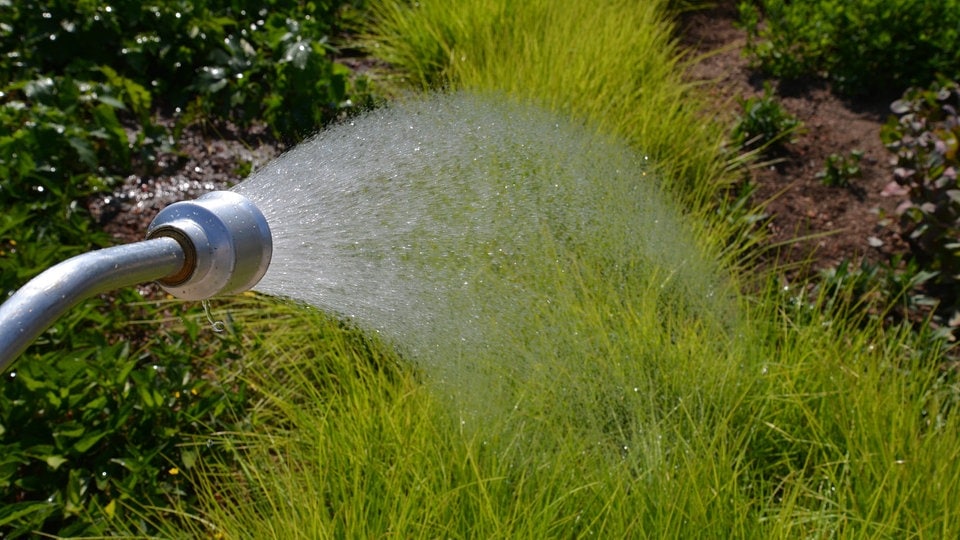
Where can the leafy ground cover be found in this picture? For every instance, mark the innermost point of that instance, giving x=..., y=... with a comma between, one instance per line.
x=99, y=432
x=97, y=101
x=863, y=48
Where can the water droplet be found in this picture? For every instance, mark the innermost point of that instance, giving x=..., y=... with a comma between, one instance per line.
x=218, y=326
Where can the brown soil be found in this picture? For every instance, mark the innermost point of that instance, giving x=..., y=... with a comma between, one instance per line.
x=808, y=221
x=206, y=159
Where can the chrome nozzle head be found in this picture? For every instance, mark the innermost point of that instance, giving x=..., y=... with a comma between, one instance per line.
x=226, y=243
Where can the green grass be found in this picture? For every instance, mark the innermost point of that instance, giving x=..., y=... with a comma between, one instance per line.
x=851, y=430
x=647, y=421
x=614, y=64
x=791, y=431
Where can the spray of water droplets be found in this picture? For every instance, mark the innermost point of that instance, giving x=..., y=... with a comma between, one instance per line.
x=451, y=225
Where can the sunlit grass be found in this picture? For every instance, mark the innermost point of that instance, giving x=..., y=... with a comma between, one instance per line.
x=614, y=64
x=349, y=442
x=794, y=429
x=851, y=429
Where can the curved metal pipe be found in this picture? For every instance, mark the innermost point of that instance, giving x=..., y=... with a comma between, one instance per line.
x=40, y=302
x=217, y=244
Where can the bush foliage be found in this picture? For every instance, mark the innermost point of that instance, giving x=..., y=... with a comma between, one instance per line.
x=80, y=83
x=238, y=59
x=925, y=136
x=862, y=46
x=91, y=438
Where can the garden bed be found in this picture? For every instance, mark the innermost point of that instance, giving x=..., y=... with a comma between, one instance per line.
x=808, y=221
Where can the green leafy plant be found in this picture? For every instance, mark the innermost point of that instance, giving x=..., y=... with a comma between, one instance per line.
x=925, y=137
x=864, y=47
x=92, y=435
x=99, y=419
x=63, y=140
x=235, y=59
x=840, y=170
x=764, y=125
x=61, y=128
x=889, y=289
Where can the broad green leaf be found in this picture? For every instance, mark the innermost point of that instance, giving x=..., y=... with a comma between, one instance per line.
x=54, y=462
x=53, y=398
x=84, y=151
x=111, y=101
x=111, y=508
x=72, y=432
x=88, y=441
x=31, y=383
x=96, y=404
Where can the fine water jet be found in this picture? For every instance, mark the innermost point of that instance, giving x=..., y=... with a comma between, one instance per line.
x=496, y=245
x=218, y=244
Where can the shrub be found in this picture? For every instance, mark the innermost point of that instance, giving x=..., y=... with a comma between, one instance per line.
x=102, y=432
x=864, y=46
x=81, y=81
x=238, y=59
x=93, y=422
x=839, y=170
x=61, y=140
x=764, y=125
x=924, y=135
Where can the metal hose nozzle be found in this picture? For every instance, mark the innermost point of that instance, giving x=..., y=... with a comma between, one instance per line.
x=218, y=244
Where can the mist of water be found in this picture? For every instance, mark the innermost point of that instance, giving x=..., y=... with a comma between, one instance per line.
x=456, y=225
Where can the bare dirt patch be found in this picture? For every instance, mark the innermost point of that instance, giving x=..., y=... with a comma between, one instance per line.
x=206, y=158
x=809, y=222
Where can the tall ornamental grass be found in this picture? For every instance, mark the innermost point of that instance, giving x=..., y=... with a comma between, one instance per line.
x=789, y=431
x=615, y=64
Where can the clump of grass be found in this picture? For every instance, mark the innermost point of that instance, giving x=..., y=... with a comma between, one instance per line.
x=615, y=65
x=349, y=442
x=806, y=425
x=489, y=199
x=850, y=425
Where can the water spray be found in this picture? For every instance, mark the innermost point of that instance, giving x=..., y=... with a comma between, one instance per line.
x=219, y=244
